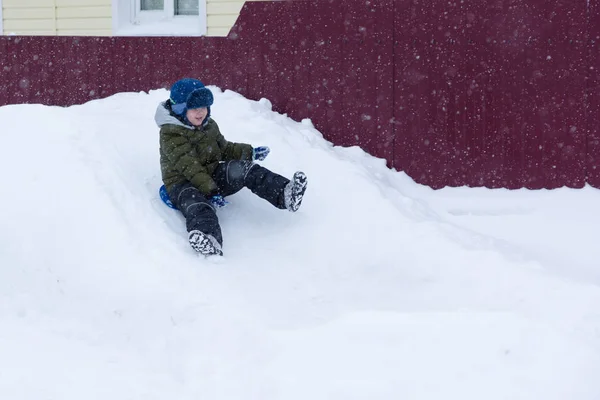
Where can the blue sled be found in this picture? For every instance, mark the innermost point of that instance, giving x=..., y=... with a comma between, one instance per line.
x=164, y=196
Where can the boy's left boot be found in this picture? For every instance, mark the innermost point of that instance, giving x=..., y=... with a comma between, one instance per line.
x=294, y=191
x=204, y=244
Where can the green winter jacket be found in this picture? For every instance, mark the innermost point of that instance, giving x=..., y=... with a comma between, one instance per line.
x=189, y=154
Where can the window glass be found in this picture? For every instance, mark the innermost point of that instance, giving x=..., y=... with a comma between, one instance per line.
x=186, y=7
x=147, y=5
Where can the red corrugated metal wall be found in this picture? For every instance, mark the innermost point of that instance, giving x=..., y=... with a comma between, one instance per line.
x=492, y=93
x=593, y=95
x=497, y=93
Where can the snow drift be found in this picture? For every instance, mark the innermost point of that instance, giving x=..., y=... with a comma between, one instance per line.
x=376, y=289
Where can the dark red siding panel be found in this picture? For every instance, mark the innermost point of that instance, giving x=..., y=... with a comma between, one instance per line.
x=70, y=71
x=301, y=99
x=261, y=24
x=253, y=50
x=238, y=61
x=139, y=63
x=5, y=72
x=402, y=153
x=205, y=60
x=10, y=71
x=383, y=59
x=311, y=79
x=319, y=80
x=249, y=31
x=420, y=102
x=306, y=94
x=88, y=58
x=281, y=61
x=538, y=56
x=39, y=83
x=593, y=95
x=444, y=39
x=465, y=86
x=476, y=158
x=491, y=93
x=103, y=67
x=166, y=51
x=367, y=48
x=58, y=74
x=495, y=154
x=202, y=62
x=20, y=83
x=561, y=59
x=509, y=36
x=367, y=52
x=352, y=115
x=223, y=69
x=99, y=68
x=121, y=68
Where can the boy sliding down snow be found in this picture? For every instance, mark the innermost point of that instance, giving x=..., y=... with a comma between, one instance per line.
x=200, y=167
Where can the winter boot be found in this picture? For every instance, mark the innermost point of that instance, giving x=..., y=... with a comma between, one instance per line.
x=294, y=191
x=204, y=244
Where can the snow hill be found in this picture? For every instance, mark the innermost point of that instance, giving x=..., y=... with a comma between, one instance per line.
x=378, y=288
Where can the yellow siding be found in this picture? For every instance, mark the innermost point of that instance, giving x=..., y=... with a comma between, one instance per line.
x=224, y=7
x=221, y=20
x=218, y=31
x=54, y=3
x=83, y=24
x=27, y=3
x=84, y=12
x=83, y=18
x=32, y=33
x=29, y=25
x=87, y=32
x=28, y=13
x=82, y=3
x=62, y=17
x=94, y=17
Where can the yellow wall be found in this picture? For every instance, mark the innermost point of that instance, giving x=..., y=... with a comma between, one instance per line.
x=93, y=17
x=221, y=15
x=28, y=17
x=57, y=17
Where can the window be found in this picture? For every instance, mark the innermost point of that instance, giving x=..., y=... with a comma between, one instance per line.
x=181, y=7
x=186, y=7
x=170, y=8
x=159, y=17
x=152, y=5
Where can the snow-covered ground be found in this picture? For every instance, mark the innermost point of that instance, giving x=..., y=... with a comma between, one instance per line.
x=377, y=288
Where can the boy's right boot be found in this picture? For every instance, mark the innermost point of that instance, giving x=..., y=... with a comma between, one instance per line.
x=204, y=244
x=294, y=191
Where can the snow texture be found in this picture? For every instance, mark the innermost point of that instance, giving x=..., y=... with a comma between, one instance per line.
x=377, y=288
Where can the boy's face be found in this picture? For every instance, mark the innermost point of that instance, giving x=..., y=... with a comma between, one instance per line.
x=197, y=115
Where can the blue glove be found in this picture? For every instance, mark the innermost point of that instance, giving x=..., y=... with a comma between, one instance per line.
x=260, y=153
x=218, y=201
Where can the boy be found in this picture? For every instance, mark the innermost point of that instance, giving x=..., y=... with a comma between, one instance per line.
x=200, y=167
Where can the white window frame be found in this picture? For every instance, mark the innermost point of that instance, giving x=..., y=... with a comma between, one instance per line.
x=143, y=16
x=128, y=14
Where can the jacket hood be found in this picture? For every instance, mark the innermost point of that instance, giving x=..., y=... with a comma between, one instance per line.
x=163, y=116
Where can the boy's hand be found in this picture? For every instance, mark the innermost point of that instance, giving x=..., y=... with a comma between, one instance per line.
x=260, y=153
x=218, y=201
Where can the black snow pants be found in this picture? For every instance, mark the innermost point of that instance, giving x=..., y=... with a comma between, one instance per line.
x=230, y=177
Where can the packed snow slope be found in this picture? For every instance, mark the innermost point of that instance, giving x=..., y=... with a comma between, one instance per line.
x=377, y=288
